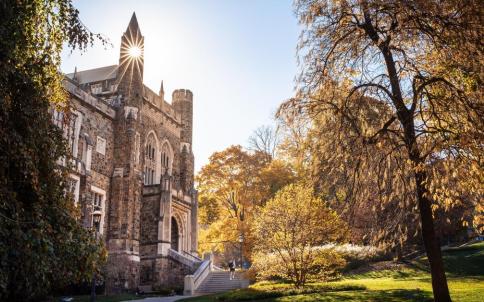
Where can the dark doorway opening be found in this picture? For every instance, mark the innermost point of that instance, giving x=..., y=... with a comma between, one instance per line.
x=174, y=234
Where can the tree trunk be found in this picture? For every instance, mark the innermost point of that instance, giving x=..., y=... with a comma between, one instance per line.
x=406, y=118
x=431, y=243
x=432, y=246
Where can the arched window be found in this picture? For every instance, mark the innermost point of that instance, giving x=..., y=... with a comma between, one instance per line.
x=166, y=157
x=151, y=170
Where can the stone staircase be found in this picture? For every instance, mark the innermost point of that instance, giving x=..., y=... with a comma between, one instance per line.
x=208, y=278
x=219, y=281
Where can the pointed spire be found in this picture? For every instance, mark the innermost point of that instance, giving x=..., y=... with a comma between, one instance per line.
x=133, y=26
x=74, y=76
x=133, y=23
x=130, y=69
x=162, y=90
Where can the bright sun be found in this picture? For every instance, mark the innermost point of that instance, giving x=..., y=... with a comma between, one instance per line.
x=134, y=51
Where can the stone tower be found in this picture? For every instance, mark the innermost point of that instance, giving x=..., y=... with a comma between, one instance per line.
x=183, y=103
x=124, y=225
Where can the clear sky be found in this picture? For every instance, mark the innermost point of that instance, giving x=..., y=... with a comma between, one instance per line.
x=237, y=57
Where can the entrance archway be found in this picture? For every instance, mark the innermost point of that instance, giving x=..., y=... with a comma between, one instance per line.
x=175, y=235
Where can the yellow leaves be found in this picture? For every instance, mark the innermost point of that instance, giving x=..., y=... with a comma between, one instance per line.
x=231, y=187
x=294, y=218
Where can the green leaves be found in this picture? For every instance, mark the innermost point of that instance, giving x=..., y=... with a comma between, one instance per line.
x=42, y=245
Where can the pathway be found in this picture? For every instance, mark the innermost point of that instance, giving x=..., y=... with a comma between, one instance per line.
x=161, y=299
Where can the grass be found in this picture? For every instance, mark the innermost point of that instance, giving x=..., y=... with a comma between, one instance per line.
x=267, y=290
x=465, y=271
x=461, y=261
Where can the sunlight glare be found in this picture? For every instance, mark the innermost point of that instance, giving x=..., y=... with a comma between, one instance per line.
x=134, y=51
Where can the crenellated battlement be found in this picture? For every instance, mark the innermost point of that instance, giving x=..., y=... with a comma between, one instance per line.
x=156, y=100
x=151, y=96
x=182, y=94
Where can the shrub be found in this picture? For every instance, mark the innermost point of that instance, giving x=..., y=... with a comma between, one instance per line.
x=326, y=265
x=357, y=255
x=288, y=230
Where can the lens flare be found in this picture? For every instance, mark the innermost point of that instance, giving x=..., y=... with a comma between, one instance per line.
x=134, y=51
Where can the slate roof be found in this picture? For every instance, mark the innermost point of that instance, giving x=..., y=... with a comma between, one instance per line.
x=95, y=75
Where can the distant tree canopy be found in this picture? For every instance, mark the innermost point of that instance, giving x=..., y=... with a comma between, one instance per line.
x=397, y=104
x=265, y=139
x=231, y=187
x=42, y=246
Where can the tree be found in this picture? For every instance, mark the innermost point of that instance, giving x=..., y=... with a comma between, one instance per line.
x=292, y=148
x=265, y=139
x=408, y=57
x=358, y=180
x=42, y=245
x=290, y=230
x=231, y=187
x=229, y=190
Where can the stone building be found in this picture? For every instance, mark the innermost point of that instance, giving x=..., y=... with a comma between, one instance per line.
x=133, y=160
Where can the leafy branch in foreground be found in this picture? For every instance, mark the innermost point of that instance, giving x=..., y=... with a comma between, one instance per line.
x=42, y=245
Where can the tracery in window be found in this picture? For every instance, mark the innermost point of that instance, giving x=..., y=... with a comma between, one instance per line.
x=150, y=160
x=166, y=157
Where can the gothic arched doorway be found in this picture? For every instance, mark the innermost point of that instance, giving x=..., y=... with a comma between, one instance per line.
x=174, y=234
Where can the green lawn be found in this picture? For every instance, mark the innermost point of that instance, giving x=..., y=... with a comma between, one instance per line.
x=465, y=267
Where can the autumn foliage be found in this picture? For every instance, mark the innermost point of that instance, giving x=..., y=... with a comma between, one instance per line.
x=290, y=231
x=232, y=186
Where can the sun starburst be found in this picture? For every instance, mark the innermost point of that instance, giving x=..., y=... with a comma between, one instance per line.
x=134, y=51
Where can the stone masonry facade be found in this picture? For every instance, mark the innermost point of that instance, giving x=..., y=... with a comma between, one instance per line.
x=133, y=161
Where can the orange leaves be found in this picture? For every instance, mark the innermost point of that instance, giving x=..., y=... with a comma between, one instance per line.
x=232, y=185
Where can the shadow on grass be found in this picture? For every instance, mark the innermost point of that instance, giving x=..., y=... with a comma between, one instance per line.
x=461, y=261
x=354, y=296
x=270, y=293
x=395, y=274
x=359, y=296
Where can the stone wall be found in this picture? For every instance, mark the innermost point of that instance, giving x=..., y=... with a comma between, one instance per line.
x=137, y=234
x=153, y=119
x=150, y=209
x=96, y=122
x=171, y=273
x=122, y=273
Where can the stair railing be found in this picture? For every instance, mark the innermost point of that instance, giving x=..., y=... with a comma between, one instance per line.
x=192, y=282
x=189, y=255
x=182, y=258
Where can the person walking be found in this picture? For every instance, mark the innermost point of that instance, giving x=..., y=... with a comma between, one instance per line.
x=232, y=269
